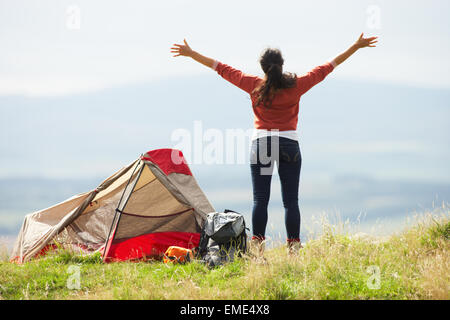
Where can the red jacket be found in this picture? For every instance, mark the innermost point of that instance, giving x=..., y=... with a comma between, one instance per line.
x=283, y=113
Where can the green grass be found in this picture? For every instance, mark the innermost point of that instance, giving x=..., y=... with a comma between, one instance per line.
x=411, y=265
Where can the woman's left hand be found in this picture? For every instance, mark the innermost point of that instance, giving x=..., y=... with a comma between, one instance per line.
x=365, y=42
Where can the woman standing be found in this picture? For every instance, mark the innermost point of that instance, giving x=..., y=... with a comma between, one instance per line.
x=275, y=101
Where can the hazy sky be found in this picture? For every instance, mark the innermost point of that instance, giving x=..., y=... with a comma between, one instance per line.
x=51, y=47
x=86, y=86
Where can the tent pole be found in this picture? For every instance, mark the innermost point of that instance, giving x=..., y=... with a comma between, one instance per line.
x=117, y=209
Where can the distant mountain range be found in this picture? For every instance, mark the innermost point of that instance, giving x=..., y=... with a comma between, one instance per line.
x=370, y=149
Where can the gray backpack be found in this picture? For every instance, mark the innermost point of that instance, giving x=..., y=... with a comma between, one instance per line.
x=223, y=237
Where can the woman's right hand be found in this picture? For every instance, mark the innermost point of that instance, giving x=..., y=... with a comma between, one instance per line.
x=360, y=43
x=181, y=50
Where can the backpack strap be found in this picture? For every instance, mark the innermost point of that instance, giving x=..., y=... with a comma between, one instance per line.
x=202, y=248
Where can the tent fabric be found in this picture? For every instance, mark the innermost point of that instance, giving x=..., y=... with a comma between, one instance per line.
x=132, y=225
x=188, y=186
x=151, y=245
x=176, y=164
x=41, y=227
x=153, y=198
x=186, y=190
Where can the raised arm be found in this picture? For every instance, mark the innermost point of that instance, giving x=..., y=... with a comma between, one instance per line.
x=185, y=50
x=360, y=43
x=240, y=79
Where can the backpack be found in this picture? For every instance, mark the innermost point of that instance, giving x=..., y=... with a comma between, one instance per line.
x=222, y=238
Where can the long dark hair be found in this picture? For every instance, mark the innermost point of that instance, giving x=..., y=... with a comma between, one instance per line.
x=271, y=62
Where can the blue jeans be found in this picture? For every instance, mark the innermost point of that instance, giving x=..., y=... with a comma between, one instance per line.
x=286, y=153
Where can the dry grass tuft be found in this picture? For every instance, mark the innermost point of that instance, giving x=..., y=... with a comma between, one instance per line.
x=412, y=264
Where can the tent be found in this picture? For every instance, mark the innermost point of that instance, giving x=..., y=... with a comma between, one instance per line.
x=138, y=212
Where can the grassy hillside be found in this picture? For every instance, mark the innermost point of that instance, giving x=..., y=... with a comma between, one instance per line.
x=410, y=265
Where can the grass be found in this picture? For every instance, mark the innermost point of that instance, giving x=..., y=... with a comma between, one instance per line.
x=411, y=265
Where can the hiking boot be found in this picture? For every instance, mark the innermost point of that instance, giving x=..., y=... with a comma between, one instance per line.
x=294, y=246
x=256, y=247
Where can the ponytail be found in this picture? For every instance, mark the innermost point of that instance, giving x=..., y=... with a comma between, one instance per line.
x=275, y=75
x=272, y=64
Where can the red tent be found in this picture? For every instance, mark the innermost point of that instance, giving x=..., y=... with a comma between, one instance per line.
x=141, y=210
